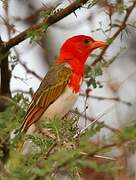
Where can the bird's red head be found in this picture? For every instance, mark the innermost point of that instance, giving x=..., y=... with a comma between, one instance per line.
x=76, y=50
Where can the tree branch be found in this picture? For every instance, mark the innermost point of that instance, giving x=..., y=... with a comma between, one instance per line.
x=4, y=65
x=5, y=73
x=48, y=21
x=84, y=155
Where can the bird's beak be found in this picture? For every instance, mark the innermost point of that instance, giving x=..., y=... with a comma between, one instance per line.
x=98, y=44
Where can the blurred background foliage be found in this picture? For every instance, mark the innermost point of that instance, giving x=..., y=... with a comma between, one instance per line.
x=98, y=140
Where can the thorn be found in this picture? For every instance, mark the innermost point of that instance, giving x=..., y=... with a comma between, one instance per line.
x=74, y=11
x=75, y=14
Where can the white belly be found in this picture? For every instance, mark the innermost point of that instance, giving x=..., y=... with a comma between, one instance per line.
x=62, y=105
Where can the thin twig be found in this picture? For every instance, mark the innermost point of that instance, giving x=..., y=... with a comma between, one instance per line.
x=29, y=71
x=85, y=155
x=95, y=120
x=107, y=98
x=50, y=149
x=105, y=157
x=119, y=30
x=33, y=16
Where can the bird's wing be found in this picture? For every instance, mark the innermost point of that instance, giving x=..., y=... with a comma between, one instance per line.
x=49, y=90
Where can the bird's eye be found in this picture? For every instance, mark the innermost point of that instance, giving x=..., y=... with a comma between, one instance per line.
x=86, y=41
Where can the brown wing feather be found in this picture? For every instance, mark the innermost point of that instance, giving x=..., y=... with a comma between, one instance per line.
x=50, y=89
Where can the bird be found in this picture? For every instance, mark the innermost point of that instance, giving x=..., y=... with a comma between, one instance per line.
x=60, y=87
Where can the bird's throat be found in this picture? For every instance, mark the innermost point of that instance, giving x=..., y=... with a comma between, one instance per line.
x=75, y=82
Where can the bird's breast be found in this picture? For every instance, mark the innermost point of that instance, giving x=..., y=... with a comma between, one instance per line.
x=62, y=105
